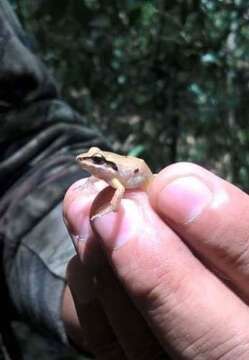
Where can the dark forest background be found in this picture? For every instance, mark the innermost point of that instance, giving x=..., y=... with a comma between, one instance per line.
x=164, y=80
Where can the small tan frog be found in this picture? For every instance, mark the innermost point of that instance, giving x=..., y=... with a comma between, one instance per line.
x=120, y=172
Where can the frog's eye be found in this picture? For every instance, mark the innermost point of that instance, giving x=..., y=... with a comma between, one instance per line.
x=98, y=160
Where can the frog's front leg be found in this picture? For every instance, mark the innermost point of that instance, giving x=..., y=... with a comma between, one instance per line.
x=115, y=201
x=118, y=195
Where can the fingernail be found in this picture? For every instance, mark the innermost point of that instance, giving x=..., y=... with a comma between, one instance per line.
x=116, y=228
x=184, y=199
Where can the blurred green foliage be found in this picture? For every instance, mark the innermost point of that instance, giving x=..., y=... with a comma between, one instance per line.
x=166, y=80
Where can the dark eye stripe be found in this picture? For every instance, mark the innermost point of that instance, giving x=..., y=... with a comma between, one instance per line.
x=98, y=160
x=112, y=165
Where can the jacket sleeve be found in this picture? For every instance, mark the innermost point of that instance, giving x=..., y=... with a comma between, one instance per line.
x=40, y=136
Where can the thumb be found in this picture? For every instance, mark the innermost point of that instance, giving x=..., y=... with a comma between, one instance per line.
x=185, y=305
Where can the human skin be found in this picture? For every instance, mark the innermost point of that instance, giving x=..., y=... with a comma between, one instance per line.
x=166, y=274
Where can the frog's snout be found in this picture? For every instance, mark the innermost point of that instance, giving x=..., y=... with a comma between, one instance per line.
x=79, y=158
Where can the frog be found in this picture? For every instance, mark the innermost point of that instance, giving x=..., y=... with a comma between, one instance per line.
x=121, y=172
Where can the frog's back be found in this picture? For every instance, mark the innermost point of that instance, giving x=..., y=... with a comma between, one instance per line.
x=134, y=172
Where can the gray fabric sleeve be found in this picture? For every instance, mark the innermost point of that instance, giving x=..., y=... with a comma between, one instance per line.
x=37, y=276
x=39, y=139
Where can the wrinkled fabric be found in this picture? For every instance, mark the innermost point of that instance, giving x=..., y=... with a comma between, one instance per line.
x=39, y=138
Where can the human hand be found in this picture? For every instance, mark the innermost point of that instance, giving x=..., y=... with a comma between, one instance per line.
x=167, y=273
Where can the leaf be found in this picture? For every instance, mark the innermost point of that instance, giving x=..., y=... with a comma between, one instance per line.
x=137, y=150
x=148, y=13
